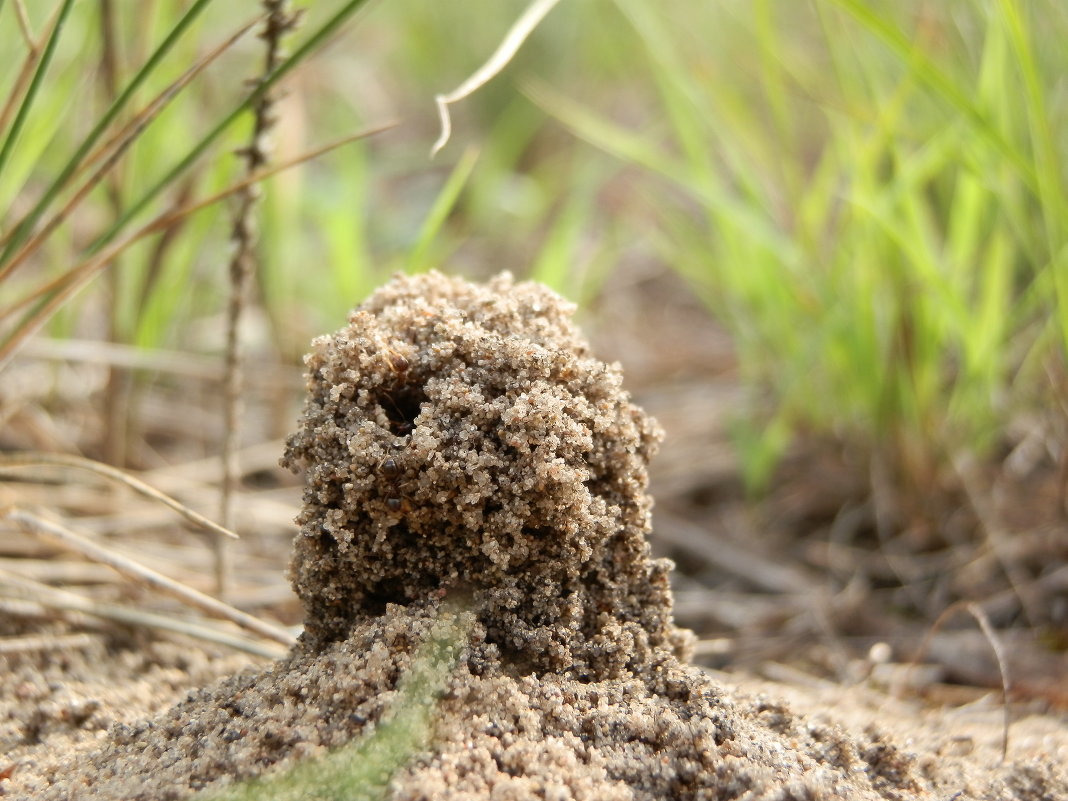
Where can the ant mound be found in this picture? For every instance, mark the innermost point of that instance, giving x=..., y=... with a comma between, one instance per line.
x=476, y=478
x=460, y=439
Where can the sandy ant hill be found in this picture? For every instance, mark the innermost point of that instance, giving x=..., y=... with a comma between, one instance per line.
x=463, y=450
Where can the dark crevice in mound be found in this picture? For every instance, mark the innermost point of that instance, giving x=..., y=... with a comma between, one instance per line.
x=402, y=406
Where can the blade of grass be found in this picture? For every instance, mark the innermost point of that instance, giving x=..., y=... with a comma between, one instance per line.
x=35, y=83
x=1048, y=166
x=419, y=259
x=326, y=30
x=31, y=60
x=929, y=72
x=26, y=225
x=557, y=263
x=71, y=280
x=362, y=769
x=636, y=149
x=117, y=145
x=46, y=300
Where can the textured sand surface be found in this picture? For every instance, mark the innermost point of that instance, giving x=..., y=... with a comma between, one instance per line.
x=463, y=449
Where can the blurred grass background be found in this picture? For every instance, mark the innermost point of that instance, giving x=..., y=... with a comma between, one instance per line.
x=868, y=197
x=848, y=218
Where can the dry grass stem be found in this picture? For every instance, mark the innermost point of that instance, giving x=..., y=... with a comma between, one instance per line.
x=155, y=360
x=111, y=152
x=980, y=616
x=131, y=569
x=18, y=607
x=56, y=571
x=752, y=567
x=130, y=357
x=20, y=460
x=121, y=138
x=22, y=645
x=18, y=88
x=24, y=26
x=66, y=601
x=504, y=53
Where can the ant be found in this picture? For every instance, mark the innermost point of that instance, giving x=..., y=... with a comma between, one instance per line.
x=398, y=364
x=389, y=468
x=402, y=408
x=401, y=417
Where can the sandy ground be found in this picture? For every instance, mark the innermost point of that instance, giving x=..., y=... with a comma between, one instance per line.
x=476, y=478
x=82, y=723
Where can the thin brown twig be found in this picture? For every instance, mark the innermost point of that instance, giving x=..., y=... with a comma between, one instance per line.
x=63, y=536
x=30, y=459
x=279, y=22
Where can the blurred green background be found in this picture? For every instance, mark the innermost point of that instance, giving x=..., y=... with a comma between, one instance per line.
x=868, y=196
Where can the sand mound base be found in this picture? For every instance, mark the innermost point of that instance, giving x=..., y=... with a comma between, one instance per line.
x=666, y=732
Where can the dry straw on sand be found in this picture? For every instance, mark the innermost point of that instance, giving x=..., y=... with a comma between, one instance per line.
x=462, y=447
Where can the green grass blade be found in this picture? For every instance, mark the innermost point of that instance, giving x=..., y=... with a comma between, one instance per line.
x=636, y=149
x=113, y=152
x=929, y=72
x=35, y=83
x=23, y=229
x=1048, y=165
x=361, y=770
x=326, y=30
x=557, y=263
x=44, y=301
x=420, y=259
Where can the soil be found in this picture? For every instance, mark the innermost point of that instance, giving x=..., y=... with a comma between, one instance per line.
x=103, y=730
x=569, y=677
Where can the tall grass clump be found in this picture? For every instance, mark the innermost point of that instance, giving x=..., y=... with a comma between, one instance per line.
x=61, y=144
x=115, y=129
x=871, y=196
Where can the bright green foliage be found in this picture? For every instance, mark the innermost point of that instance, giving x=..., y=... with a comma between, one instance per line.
x=149, y=149
x=871, y=195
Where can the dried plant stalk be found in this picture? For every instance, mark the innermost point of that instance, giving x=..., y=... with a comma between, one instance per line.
x=131, y=569
x=86, y=609
x=505, y=52
x=20, y=460
x=65, y=642
x=280, y=21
